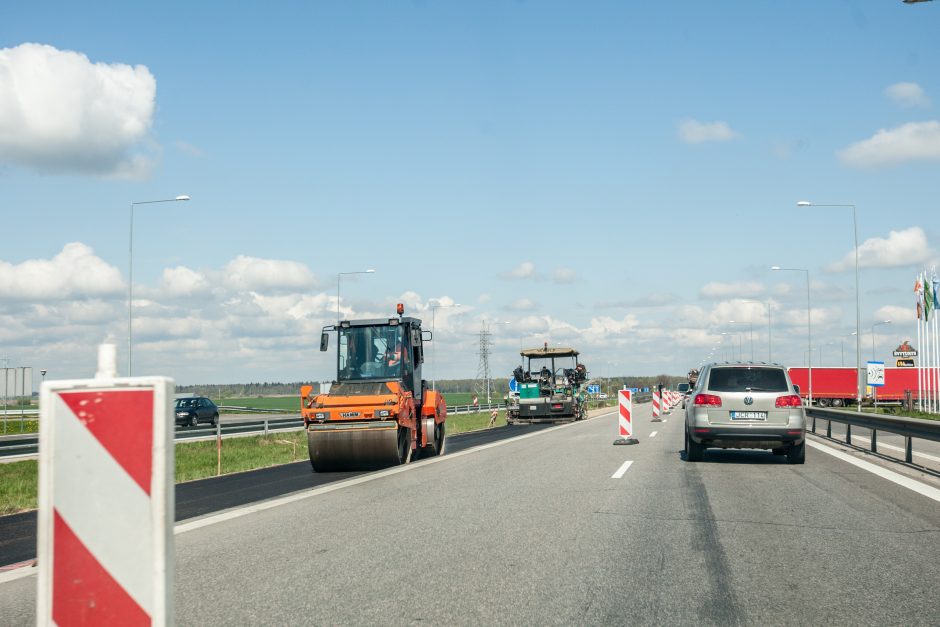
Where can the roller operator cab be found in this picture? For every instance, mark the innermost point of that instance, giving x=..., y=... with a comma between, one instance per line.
x=379, y=412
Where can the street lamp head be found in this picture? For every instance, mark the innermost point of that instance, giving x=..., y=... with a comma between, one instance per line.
x=183, y=197
x=370, y=271
x=804, y=203
x=774, y=267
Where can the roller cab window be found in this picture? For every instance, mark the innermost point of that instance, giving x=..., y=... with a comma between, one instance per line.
x=372, y=352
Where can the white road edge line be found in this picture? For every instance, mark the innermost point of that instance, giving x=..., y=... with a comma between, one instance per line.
x=620, y=471
x=27, y=571
x=893, y=448
x=653, y=434
x=911, y=484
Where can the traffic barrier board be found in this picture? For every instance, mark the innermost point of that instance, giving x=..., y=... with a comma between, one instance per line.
x=106, y=501
x=625, y=418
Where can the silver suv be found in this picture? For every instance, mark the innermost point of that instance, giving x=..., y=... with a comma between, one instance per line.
x=745, y=405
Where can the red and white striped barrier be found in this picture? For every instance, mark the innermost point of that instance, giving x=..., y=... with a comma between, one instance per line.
x=625, y=422
x=625, y=418
x=106, y=500
x=657, y=408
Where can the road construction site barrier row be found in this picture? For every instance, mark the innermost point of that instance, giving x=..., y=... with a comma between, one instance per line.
x=908, y=428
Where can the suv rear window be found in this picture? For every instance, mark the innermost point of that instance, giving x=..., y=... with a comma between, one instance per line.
x=747, y=379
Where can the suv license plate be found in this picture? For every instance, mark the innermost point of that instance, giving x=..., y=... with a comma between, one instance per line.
x=748, y=415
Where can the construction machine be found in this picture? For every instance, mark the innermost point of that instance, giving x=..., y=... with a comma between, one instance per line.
x=551, y=386
x=378, y=412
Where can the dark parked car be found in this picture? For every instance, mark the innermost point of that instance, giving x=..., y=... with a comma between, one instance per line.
x=195, y=409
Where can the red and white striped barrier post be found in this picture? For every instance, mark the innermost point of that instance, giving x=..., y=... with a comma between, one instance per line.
x=656, y=407
x=625, y=418
x=106, y=501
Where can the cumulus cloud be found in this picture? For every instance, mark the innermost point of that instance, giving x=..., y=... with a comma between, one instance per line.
x=525, y=270
x=252, y=273
x=896, y=314
x=660, y=299
x=76, y=272
x=914, y=141
x=61, y=113
x=181, y=281
x=725, y=290
x=695, y=132
x=907, y=95
x=564, y=275
x=901, y=248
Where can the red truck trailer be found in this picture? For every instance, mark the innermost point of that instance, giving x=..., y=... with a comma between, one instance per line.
x=838, y=387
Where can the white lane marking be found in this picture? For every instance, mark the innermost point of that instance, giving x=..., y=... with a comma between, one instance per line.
x=911, y=484
x=653, y=434
x=620, y=471
x=664, y=421
x=894, y=448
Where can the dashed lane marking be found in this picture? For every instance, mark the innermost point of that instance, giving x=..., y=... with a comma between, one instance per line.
x=623, y=469
x=653, y=434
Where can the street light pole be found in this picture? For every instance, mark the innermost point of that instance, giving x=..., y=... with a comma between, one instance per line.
x=751, y=325
x=130, y=279
x=809, y=328
x=858, y=308
x=434, y=308
x=873, y=336
x=340, y=275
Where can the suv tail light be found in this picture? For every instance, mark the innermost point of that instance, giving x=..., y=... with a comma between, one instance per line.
x=708, y=399
x=791, y=400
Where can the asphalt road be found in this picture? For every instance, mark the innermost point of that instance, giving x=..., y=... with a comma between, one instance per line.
x=206, y=496
x=555, y=529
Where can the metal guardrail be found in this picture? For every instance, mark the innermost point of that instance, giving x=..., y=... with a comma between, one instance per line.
x=908, y=428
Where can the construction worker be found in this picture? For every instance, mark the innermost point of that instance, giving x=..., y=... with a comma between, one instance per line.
x=493, y=415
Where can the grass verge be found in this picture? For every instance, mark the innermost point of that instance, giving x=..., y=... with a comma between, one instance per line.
x=198, y=460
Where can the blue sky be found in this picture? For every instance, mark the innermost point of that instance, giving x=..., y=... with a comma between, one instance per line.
x=615, y=176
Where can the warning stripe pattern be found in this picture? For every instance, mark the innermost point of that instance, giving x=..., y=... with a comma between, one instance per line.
x=656, y=405
x=626, y=413
x=103, y=465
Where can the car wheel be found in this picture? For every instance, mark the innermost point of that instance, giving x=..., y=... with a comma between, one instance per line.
x=693, y=451
x=215, y=420
x=194, y=421
x=796, y=454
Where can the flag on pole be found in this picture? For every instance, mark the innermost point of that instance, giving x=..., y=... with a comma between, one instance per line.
x=936, y=288
x=919, y=298
x=928, y=300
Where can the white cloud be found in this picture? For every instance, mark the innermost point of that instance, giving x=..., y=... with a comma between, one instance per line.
x=714, y=290
x=897, y=314
x=907, y=95
x=61, y=113
x=909, y=142
x=564, y=275
x=525, y=270
x=76, y=272
x=181, y=281
x=252, y=273
x=695, y=132
x=901, y=248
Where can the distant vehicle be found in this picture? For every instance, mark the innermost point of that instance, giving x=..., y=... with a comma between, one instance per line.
x=195, y=409
x=745, y=405
x=837, y=387
x=551, y=386
x=602, y=395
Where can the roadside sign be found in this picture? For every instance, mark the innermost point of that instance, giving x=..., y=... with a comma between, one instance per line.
x=106, y=500
x=876, y=373
x=905, y=363
x=513, y=385
x=594, y=389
